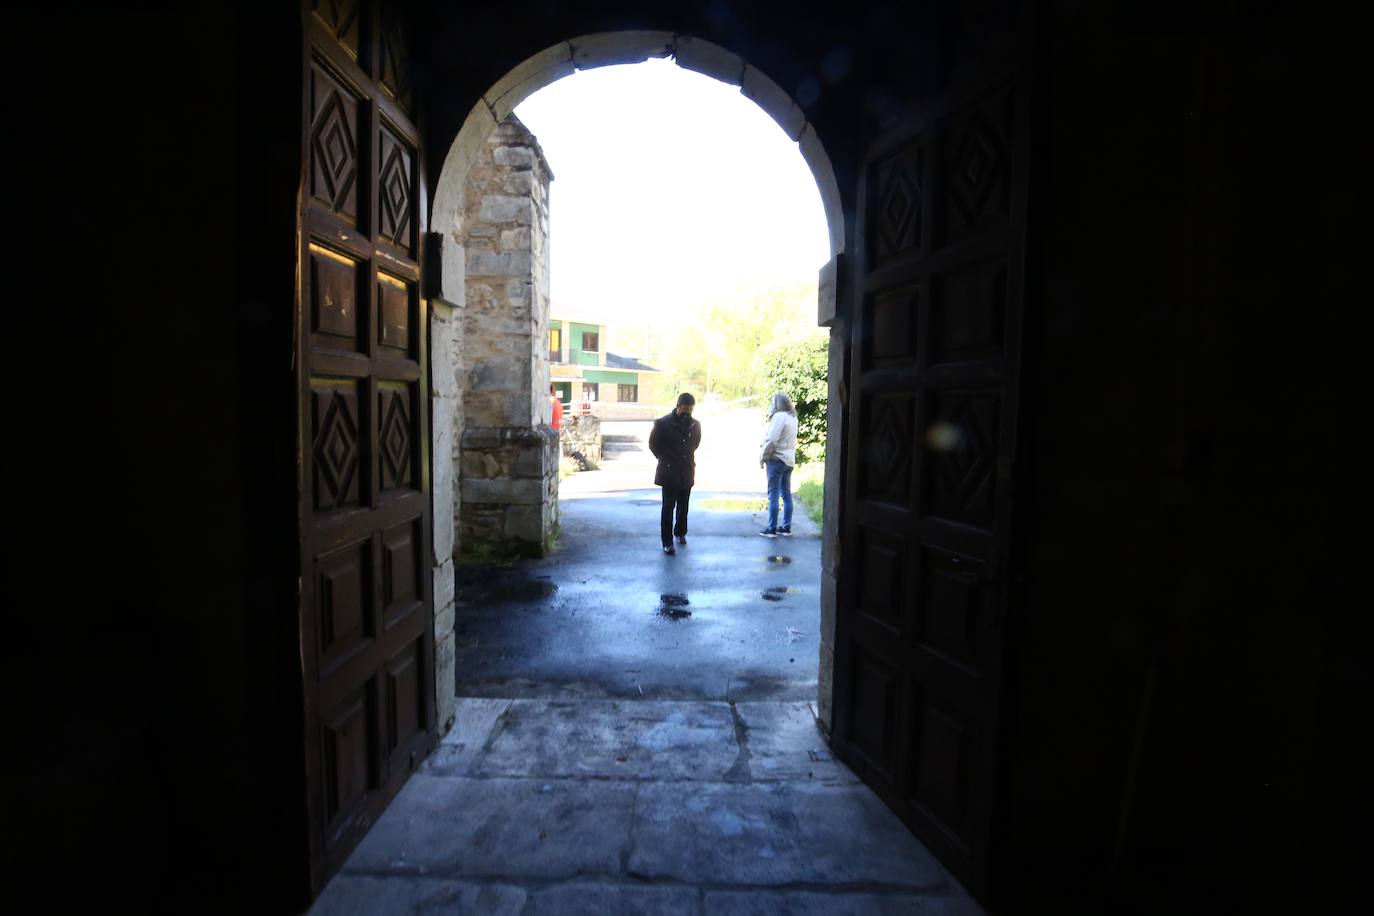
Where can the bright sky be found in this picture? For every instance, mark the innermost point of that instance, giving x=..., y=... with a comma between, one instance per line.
x=670, y=189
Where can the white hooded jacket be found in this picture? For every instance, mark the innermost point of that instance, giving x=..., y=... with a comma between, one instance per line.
x=781, y=439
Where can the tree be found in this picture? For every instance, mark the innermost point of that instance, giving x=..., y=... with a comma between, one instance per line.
x=799, y=367
x=717, y=347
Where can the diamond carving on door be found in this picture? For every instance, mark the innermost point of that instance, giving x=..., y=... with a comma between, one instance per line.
x=334, y=146
x=933, y=382
x=366, y=603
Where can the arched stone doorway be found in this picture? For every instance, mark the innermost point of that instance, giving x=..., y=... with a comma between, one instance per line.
x=446, y=222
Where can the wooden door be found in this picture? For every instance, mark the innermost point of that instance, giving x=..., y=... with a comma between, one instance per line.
x=367, y=641
x=932, y=440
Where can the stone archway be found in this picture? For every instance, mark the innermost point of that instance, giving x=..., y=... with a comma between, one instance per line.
x=446, y=222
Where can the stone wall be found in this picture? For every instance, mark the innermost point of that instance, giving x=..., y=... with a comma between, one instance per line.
x=583, y=434
x=507, y=457
x=446, y=331
x=510, y=488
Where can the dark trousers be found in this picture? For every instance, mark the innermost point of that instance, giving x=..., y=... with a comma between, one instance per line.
x=673, y=497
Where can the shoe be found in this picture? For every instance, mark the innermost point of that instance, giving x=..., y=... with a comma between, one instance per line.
x=768, y=533
x=682, y=539
x=670, y=551
x=785, y=532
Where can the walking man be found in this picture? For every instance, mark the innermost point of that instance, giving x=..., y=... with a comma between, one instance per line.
x=674, y=442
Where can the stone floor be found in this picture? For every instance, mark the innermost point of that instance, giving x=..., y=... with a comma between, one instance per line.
x=635, y=733
x=609, y=806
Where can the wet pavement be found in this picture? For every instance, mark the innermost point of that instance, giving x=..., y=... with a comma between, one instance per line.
x=607, y=614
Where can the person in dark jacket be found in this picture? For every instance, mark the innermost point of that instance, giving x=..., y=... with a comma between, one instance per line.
x=674, y=442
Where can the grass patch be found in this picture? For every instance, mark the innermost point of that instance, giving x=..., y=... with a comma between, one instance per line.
x=735, y=504
x=808, y=480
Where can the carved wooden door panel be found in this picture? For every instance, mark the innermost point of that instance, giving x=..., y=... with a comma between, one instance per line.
x=367, y=642
x=932, y=441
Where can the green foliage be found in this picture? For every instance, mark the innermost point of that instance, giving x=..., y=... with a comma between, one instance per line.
x=809, y=480
x=718, y=347
x=799, y=367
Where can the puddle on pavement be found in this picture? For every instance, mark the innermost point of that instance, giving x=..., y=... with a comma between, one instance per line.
x=537, y=590
x=779, y=561
x=673, y=605
x=778, y=592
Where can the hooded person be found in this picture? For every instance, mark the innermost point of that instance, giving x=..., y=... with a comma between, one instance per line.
x=777, y=456
x=674, y=442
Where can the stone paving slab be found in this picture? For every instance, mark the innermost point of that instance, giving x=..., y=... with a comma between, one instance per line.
x=576, y=899
x=365, y=895
x=775, y=833
x=716, y=808
x=784, y=744
x=511, y=828
x=767, y=903
x=474, y=719
x=612, y=739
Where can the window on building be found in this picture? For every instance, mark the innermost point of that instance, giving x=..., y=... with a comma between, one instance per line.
x=627, y=392
x=555, y=345
x=589, y=391
x=590, y=342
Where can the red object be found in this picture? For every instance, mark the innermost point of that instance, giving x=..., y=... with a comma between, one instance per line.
x=557, y=412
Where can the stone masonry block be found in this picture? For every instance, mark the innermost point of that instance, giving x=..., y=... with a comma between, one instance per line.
x=515, y=239
x=505, y=208
x=445, y=680
x=712, y=60
x=525, y=523
x=518, y=92
x=825, y=688
x=480, y=465
x=550, y=64
x=834, y=423
x=453, y=272
x=775, y=101
x=609, y=48
x=465, y=150
x=519, y=183
x=813, y=151
x=532, y=463
x=825, y=291
x=443, y=587
x=441, y=432
x=446, y=620
x=497, y=408
x=499, y=263
x=443, y=356
x=518, y=157
x=828, y=596
x=497, y=375
x=506, y=492
x=481, y=437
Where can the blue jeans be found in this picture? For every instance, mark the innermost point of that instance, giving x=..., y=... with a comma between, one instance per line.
x=779, y=479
